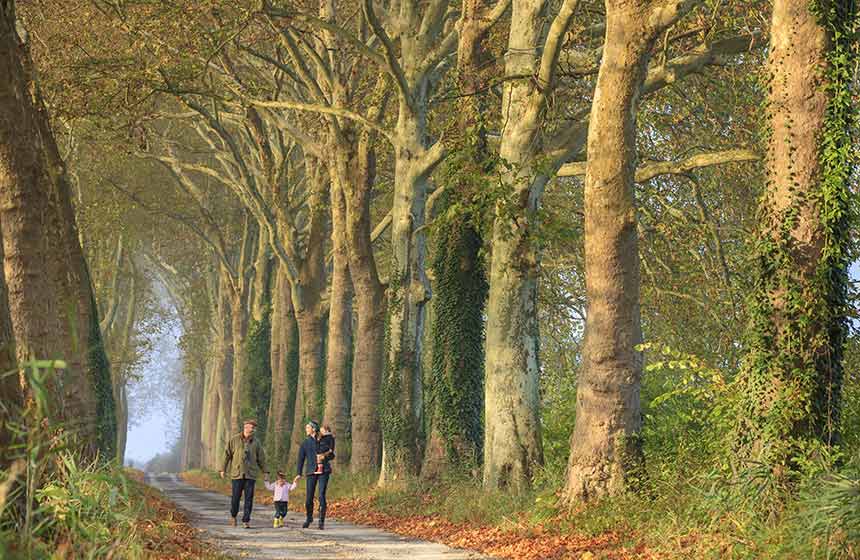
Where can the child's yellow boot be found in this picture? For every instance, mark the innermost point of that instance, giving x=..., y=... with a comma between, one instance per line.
x=275, y=523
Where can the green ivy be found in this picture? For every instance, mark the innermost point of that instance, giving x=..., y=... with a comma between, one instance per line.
x=257, y=387
x=791, y=381
x=399, y=431
x=99, y=370
x=456, y=383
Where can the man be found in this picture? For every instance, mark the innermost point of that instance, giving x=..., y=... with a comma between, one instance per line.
x=308, y=463
x=245, y=460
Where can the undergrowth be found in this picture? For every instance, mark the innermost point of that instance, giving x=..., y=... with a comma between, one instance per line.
x=56, y=506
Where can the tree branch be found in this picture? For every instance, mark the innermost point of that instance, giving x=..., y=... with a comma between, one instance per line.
x=693, y=62
x=652, y=169
x=314, y=108
x=333, y=28
x=494, y=15
x=554, y=41
x=393, y=64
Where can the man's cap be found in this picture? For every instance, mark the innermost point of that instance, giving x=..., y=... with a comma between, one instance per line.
x=250, y=421
x=314, y=425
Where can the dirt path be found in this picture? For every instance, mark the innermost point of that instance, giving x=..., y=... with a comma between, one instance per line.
x=209, y=511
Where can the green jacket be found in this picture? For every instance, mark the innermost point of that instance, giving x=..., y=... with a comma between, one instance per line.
x=244, y=458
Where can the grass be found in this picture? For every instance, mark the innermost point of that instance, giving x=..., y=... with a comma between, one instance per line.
x=677, y=519
x=98, y=510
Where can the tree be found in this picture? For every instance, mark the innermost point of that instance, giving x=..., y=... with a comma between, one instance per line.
x=50, y=294
x=791, y=380
x=456, y=381
x=605, y=451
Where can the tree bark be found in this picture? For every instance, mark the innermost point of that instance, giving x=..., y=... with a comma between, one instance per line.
x=24, y=205
x=50, y=295
x=285, y=373
x=224, y=366
x=339, y=347
x=209, y=428
x=11, y=392
x=512, y=440
x=307, y=301
x=605, y=446
x=356, y=176
x=192, y=418
x=93, y=413
x=121, y=423
x=791, y=378
x=239, y=315
x=460, y=288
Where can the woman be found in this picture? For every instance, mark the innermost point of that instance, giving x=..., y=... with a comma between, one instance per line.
x=306, y=467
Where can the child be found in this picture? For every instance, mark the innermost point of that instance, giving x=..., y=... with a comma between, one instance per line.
x=282, y=497
x=325, y=448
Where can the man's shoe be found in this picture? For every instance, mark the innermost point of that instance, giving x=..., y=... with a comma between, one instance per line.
x=306, y=524
x=232, y=522
x=322, y=525
x=246, y=525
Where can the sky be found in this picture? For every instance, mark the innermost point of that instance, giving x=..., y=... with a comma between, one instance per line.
x=155, y=402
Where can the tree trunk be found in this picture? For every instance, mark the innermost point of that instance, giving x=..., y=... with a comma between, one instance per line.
x=285, y=373
x=50, y=298
x=339, y=347
x=408, y=293
x=239, y=314
x=209, y=428
x=512, y=440
x=11, y=393
x=239, y=328
x=193, y=413
x=307, y=302
x=120, y=343
x=24, y=212
x=224, y=367
x=353, y=172
x=605, y=447
x=457, y=378
x=121, y=423
x=94, y=414
x=297, y=433
x=791, y=391
x=257, y=385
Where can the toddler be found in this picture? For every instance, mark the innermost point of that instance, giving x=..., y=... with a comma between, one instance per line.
x=281, y=496
x=325, y=449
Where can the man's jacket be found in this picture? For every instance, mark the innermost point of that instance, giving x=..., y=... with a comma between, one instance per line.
x=244, y=458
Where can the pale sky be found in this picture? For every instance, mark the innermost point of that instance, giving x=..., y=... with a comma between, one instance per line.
x=155, y=402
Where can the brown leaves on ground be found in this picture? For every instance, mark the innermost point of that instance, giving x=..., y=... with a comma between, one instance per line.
x=537, y=543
